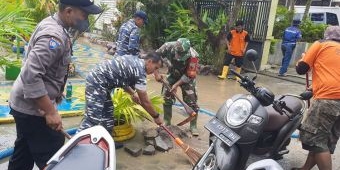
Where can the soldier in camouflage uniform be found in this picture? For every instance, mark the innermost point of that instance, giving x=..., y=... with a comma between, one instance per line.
x=122, y=72
x=178, y=52
x=129, y=34
x=321, y=129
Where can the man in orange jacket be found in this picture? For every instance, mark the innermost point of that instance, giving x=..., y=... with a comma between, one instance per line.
x=237, y=42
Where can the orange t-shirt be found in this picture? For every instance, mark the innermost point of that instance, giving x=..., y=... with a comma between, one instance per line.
x=238, y=42
x=323, y=57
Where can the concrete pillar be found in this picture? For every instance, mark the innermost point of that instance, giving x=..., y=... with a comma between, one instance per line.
x=269, y=37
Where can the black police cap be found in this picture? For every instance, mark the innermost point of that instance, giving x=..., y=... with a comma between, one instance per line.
x=142, y=14
x=87, y=5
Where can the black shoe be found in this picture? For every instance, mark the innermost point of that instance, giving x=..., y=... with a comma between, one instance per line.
x=119, y=145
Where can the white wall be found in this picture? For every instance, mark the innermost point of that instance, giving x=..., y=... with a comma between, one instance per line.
x=108, y=15
x=276, y=58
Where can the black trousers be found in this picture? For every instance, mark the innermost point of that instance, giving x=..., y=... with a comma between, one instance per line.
x=36, y=142
x=238, y=60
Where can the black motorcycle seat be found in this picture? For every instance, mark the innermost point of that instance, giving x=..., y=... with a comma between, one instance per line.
x=275, y=119
x=84, y=157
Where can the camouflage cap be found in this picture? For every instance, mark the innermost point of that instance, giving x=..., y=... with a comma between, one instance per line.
x=332, y=33
x=185, y=44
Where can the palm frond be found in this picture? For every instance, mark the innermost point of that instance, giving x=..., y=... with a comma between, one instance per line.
x=131, y=111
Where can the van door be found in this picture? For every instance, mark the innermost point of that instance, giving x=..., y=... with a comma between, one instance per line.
x=332, y=19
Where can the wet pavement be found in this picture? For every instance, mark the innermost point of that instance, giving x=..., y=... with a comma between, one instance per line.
x=212, y=93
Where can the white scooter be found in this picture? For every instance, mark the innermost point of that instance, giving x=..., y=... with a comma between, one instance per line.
x=90, y=149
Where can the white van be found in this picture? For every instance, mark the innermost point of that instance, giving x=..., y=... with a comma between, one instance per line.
x=320, y=14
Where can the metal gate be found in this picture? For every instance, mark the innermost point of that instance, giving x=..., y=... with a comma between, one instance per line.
x=254, y=13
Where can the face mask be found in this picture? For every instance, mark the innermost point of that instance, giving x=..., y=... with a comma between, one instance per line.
x=82, y=25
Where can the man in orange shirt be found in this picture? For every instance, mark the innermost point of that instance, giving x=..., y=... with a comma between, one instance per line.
x=320, y=131
x=237, y=42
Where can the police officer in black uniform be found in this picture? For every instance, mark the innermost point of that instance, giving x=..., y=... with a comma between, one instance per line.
x=41, y=82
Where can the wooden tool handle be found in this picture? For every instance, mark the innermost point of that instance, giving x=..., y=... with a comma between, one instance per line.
x=65, y=134
x=307, y=86
x=188, y=109
x=168, y=131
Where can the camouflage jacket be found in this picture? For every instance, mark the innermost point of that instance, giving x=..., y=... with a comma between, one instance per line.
x=128, y=39
x=121, y=71
x=178, y=59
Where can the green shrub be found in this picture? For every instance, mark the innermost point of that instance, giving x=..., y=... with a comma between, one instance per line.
x=272, y=46
x=283, y=19
x=183, y=25
x=312, y=32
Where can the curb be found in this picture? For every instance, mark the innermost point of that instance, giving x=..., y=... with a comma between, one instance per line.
x=290, y=77
x=9, y=151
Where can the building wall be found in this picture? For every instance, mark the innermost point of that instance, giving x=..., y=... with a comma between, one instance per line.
x=276, y=57
x=303, y=2
x=108, y=15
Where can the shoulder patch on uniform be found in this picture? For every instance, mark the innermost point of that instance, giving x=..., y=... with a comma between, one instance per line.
x=54, y=43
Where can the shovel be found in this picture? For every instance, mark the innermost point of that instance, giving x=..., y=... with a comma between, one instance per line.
x=188, y=110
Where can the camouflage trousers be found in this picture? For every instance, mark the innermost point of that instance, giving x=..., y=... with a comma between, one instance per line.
x=321, y=129
x=98, y=108
x=188, y=93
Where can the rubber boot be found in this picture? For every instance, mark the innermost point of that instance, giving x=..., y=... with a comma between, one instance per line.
x=224, y=72
x=238, y=70
x=167, y=114
x=193, y=127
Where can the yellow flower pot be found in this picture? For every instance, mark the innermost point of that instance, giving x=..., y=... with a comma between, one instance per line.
x=123, y=132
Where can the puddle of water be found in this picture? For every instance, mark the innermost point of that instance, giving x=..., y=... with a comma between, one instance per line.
x=74, y=105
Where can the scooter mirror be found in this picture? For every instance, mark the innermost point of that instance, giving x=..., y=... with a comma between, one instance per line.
x=251, y=55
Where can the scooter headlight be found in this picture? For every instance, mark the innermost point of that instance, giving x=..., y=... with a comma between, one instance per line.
x=238, y=112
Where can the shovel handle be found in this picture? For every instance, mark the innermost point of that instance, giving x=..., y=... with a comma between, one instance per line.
x=188, y=109
x=65, y=134
x=307, y=86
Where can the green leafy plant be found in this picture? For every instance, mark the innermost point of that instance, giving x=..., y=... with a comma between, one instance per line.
x=272, y=46
x=183, y=25
x=282, y=21
x=125, y=109
x=214, y=25
x=40, y=9
x=311, y=31
x=128, y=111
x=14, y=22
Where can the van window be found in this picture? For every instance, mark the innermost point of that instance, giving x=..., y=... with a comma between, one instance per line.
x=332, y=19
x=317, y=18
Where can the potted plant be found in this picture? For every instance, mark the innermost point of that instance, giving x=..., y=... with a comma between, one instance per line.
x=14, y=23
x=12, y=68
x=126, y=111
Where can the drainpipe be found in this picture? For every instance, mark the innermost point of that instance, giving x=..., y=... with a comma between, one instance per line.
x=269, y=37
